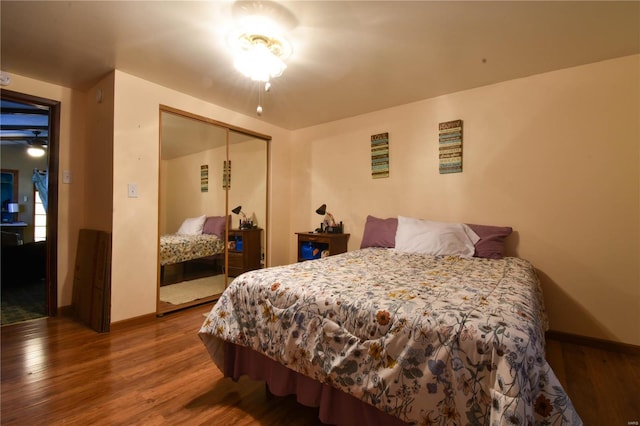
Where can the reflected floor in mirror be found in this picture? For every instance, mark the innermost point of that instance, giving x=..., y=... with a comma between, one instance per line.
x=187, y=291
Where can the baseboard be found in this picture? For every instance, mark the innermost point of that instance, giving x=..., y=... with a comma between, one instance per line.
x=608, y=345
x=130, y=322
x=65, y=311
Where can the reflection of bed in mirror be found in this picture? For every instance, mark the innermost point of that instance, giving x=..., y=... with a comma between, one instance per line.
x=192, y=260
x=181, y=249
x=198, y=237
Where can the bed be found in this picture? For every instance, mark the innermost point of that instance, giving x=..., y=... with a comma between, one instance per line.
x=177, y=248
x=197, y=238
x=390, y=337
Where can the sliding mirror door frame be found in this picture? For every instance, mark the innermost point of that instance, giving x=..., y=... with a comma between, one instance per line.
x=214, y=156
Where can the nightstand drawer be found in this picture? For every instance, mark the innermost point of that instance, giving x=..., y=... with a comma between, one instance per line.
x=315, y=239
x=234, y=272
x=235, y=260
x=247, y=251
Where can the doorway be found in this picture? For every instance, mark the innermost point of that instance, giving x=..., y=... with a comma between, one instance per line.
x=30, y=217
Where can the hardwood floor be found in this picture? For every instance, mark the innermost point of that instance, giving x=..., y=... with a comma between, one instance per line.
x=603, y=385
x=55, y=371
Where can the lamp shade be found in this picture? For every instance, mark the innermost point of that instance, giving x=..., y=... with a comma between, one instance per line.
x=237, y=210
x=322, y=209
x=13, y=208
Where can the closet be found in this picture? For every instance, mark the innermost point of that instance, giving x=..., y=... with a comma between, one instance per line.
x=212, y=210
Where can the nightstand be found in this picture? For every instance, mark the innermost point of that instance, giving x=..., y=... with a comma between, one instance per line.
x=245, y=253
x=334, y=243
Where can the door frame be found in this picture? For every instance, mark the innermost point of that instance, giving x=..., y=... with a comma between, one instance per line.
x=52, y=190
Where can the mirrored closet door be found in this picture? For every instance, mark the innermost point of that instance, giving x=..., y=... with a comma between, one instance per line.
x=212, y=207
x=247, y=189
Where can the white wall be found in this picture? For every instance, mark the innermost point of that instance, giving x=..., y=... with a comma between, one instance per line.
x=181, y=188
x=248, y=183
x=98, y=162
x=555, y=156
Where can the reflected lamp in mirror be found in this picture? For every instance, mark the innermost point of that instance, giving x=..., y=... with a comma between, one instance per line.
x=328, y=224
x=37, y=145
x=244, y=222
x=35, y=151
x=13, y=208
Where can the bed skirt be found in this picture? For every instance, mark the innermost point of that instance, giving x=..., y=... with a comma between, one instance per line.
x=336, y=407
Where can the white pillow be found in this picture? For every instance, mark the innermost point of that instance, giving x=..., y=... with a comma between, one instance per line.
x=437, y=238
x=192, y=226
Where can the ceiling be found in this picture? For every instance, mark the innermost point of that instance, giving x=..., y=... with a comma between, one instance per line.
x=23, y=125
x=183, y=135
x=349, y=58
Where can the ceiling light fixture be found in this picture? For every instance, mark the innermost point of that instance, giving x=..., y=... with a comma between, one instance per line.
x=35, y=151
x=36, y=146
x=261, y=57
x=258, y=47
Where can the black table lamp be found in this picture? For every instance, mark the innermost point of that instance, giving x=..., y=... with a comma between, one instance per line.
x=244, y=222
x=329, y=223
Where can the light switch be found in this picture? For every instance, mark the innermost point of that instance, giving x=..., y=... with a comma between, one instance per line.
x=132, y=190
x=66, y=176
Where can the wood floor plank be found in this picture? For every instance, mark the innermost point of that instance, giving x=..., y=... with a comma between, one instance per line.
x=580, y=385
x=554, y=358
x=603, y=385
x=612, y=371
x=55, y=371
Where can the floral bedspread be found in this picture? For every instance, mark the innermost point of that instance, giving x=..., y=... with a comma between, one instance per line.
x=176, y=248
x=428, y=339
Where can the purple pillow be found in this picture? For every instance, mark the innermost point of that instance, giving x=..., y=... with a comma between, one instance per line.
x=379, y=232
x=215, y=225
x=491, y=243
